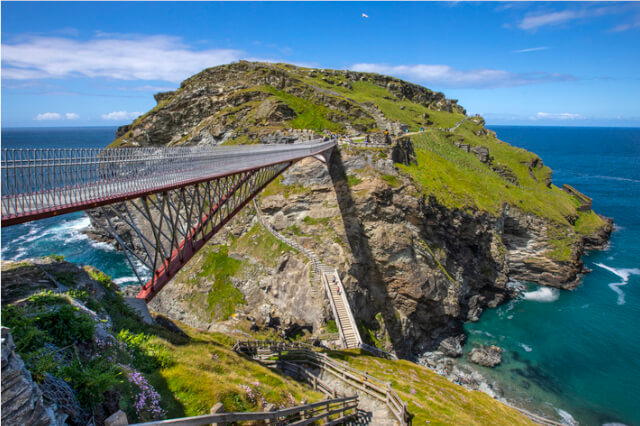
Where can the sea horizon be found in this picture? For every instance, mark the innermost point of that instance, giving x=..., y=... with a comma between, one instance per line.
x=486, y=124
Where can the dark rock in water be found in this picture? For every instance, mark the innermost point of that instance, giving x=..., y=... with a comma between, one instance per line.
x=489, y=356
x=451, y=346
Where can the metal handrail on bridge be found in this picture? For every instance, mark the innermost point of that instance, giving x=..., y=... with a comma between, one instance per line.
x=38, y=183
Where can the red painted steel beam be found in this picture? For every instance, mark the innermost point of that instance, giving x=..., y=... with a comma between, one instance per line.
x=188, y=248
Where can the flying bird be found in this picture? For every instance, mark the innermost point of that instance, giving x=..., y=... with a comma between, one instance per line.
x=364, y=15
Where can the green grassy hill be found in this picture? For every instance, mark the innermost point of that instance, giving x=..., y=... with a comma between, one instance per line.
x=88, y=338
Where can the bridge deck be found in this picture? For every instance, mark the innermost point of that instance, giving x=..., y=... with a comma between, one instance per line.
x=39, y=183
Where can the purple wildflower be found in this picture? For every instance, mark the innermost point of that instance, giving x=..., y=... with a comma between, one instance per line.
x=147, y=402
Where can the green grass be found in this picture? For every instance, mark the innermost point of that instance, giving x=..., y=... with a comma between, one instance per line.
x=259, y=244
x=433, y=399
x=223, y=296
x=309, y=115
x=206, y=370
x=353, y=180
x=390, y=105
x=588, y=223
x=277, y=187
x=316, y=221
x=392, y=180
x=331, y=326
x=458, y=179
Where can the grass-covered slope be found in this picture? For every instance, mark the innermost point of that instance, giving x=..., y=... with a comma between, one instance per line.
x=434, y=399
x=88, y=338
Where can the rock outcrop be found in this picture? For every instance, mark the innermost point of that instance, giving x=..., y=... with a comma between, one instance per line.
x=248, y=102
x=488, y=356
x=21, y=397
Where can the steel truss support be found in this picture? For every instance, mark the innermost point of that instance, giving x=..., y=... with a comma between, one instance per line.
x=160, y=233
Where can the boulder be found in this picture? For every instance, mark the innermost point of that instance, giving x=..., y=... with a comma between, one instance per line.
x=451, y=346
x=489, y=356
x=481, y=152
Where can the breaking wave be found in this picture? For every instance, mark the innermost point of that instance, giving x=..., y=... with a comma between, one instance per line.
x=543, y=294
x=624, y=274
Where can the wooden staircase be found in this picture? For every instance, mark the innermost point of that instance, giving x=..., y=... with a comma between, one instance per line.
x=340, y=306
x=327, y=276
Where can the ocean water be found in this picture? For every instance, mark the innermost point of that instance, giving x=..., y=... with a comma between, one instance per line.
x=572, y=353
x=577, y=353
x=63, y=235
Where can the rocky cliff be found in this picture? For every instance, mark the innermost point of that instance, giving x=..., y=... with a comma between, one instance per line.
x=425, y=234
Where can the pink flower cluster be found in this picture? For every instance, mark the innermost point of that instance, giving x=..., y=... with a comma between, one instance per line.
x=147, y=402
x=254, y=395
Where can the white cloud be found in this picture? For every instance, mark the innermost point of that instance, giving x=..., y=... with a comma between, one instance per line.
x=123, y=57
x=121, y=115
x=635, y=23
x=46, y=116
x=532, y=22
x=555, y=116
x=532, y=49
x=445, y=75
x=71, y=116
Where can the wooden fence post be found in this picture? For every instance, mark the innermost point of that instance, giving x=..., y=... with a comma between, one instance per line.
x=119, y=418
x=269, y=408
x=217, y=408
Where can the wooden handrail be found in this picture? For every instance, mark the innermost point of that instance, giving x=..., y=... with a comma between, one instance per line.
x=370, y=385
x=344, y=404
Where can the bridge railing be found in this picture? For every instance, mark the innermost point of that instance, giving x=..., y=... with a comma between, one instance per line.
x=39, y=180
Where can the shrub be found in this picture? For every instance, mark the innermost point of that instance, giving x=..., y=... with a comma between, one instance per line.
x=146, y=355
x=91, y=379
x=66, y=325
x=26, y=335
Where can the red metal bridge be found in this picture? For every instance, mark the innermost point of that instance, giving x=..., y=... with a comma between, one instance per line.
x=160, y=204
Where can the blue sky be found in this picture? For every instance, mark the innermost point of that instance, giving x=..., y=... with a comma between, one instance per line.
x=80, y=64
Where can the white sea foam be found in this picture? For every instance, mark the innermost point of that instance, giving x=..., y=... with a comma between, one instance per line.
x=101, y=245
x=567, y=419
x=624, y=274
x=618, y=178
x=614, y=424
x=69, y=231
x=132, y=280
x=22, y=252
x=527, y=348
x=543, y=294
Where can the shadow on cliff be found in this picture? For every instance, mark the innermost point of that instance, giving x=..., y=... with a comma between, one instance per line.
x=364, y=268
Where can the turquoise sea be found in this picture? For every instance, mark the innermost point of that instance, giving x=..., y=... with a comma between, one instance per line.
x=575, y=353
x=579, y=351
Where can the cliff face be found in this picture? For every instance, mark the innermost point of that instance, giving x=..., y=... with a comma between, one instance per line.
x=425, y=234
